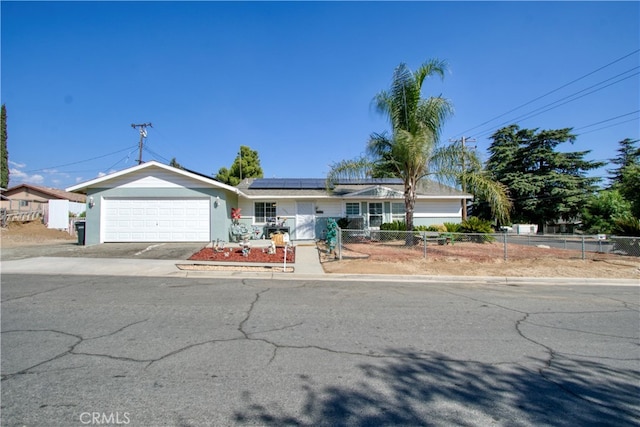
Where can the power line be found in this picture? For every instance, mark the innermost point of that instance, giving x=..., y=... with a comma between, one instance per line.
x=552, y=91
x=125, y=158
x=551, y=105
x=153, y=153
x=608, y=120
x=610, y=126
x=79, y=161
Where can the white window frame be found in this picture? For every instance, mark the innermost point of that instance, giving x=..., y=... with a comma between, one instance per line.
x=351, y=205
x=397, y=211
x=265, y=206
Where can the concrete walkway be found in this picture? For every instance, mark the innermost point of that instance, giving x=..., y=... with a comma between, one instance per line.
x=307, y=264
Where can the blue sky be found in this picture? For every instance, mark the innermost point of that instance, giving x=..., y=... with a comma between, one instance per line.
x=295, y=80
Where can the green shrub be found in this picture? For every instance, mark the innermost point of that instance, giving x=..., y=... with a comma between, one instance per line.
x=343, y=222
x=452, y=227
x=473, y=224
x=394, y=226
x=476, y=225
x=420, y=228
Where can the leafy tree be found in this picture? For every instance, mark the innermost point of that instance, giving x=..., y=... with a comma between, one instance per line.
x=4, y=153
x=603, y=210
x=246, y=165
x=544, y=184
x=630, y=187
x=411, y=151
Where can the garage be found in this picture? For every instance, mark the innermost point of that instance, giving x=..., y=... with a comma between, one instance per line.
x=156, y=220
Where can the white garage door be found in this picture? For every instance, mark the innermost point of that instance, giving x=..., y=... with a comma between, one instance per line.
x=155, y=220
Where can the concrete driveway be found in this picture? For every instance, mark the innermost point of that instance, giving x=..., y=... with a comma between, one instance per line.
x=172, y=251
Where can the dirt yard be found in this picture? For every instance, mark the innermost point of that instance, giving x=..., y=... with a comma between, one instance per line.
x=30, y=234
x=474, y=259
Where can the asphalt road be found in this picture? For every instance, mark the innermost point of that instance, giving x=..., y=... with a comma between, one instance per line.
x=96, y=350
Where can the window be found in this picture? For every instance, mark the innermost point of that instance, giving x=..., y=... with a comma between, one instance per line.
x=24, y=203
x=353, y=209
x=375, y=214
x=397, y=212
x=264, y=210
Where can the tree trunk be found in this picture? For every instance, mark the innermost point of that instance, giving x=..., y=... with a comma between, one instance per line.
x=409, y=207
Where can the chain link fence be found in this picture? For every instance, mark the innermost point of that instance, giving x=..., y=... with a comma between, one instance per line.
x=481, y=247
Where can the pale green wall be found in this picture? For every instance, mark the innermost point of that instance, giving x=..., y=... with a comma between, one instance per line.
x=220, y=215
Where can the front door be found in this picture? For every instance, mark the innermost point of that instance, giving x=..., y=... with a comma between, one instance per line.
x=305, y=221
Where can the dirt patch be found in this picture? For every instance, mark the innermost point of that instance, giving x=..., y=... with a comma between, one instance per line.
x=473, y=259
x=31, y=234
x=255, y=255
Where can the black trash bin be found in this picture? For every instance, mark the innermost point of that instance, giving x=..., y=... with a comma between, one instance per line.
x=80, y=230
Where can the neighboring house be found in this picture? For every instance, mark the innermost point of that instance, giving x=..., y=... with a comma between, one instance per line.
x=28, y=202
x=29, y=197
x=153, y=202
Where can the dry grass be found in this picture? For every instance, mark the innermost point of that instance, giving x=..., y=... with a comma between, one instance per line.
x=476, y=259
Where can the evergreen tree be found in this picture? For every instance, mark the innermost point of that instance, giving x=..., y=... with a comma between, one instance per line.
x=544, y=184
x=174, y=163
x=4, y=153
x=628, y=155
x=246, y=165
x=626, y=177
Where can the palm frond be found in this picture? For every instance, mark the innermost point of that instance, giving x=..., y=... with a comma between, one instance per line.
x=358, y=168
x=433, y=112
x=429, y=68
x=495, y=193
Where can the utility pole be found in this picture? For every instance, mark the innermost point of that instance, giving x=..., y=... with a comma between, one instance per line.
x=143, y=134
x=463, y=141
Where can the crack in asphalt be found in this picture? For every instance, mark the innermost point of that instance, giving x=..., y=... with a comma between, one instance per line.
x=79, y=339
x=554, y=355
x=37, y=293
x=71, y=348
x=578, y=330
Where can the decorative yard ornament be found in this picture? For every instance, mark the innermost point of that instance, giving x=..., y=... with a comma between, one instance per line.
x=235, y=214
x=332, y=233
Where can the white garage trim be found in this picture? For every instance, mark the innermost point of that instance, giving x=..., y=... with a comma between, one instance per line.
x=155, y=220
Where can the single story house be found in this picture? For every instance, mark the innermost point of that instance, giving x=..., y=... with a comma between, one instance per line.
x=28, y=202
x=30, y=198
x=153, y=202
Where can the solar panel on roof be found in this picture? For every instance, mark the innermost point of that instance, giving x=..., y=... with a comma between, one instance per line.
x=288, y=183
x=315, y=183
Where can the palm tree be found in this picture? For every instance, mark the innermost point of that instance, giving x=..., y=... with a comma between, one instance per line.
x=411, y=152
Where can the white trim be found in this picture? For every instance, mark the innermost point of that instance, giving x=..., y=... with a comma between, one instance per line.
x=153, y=163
